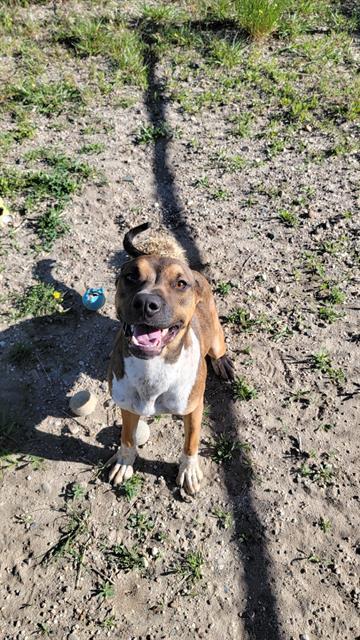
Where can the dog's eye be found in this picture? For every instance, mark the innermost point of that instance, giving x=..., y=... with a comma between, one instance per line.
x=131, y=277
x=181, y=284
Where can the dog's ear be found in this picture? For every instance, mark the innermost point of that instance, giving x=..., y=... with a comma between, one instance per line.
x=198, y=289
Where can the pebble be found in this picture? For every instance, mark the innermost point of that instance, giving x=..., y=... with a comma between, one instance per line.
x=304, y=636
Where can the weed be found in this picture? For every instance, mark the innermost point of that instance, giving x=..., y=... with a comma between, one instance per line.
x=333, y=294
x=242, y=125
x=328, y=314
x=44, y=629
x=150, y=133
x=109, y=623
x=21, y=353
x=288, y=219
x=259, y=17
x=190, y=567
x=313, y=264
x=223, y=288
x=92, y=147
x=113, y=40
x=327, y=426
x=70, y=539
x=75, y=491
x=38, y=300
x=225, y=53
x=325, y=525
x=228, y=163
x=322, y=473
x=48, y=99
x=47, y=192
x=220, y=194
x=224, y=518
x=332, y=247
x=131, y=487
x=124, y=558
x=242, y=390
x=202, y=182
x=322, y=362
x=224, y=448
x=141, y=524
x=242, y=319
x=105, y=590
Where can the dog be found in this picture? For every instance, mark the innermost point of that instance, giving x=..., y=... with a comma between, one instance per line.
x=169, y=324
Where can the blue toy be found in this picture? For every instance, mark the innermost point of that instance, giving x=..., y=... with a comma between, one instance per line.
x=94, y=299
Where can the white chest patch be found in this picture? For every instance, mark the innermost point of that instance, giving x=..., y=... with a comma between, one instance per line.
x=151, y=387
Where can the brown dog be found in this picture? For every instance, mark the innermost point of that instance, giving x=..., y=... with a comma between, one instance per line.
x=169, y=325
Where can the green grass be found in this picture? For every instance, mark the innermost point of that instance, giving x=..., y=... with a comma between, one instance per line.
x=226, y=53
x=225, y=447
x=242, y=390
x=325, y=525
x=333, y=293
x=242, y=319
x=190, y=567
x=288, y=218
x=92, y=147
x=260, y=17
x=141, y=524
x=132, y=487
x=321, y=361
x=105, y=590
x=149, y=134
x=71, y=541
x=46, y=190
x=112, y=40
x=328, y=315
x=123, y=558
x=38, y=300
x=224, y=518
x=47, y=98
x=223, y=288
x=321, y=473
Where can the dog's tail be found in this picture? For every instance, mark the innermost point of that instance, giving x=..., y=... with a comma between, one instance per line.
x=159, y=244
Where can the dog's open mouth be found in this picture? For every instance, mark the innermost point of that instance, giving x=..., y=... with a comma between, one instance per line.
x=150, y=340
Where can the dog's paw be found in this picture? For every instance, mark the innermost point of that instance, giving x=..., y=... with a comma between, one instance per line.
x=224, y=368
x=190, y=474
x=122, y=461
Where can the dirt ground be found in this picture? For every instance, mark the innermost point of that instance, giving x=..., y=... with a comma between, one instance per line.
x=276, y=525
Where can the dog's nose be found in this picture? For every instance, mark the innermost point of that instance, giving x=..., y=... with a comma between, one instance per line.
x=148, y=304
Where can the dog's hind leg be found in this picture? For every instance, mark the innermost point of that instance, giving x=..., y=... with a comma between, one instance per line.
x=124, y=458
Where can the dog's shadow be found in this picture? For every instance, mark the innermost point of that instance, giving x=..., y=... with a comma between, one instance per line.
x=42, y=359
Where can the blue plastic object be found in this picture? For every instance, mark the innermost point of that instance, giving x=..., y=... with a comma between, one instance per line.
x=94, y=299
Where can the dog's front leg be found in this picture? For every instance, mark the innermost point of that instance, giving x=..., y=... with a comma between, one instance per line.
x=124, y=458
x=190, y=474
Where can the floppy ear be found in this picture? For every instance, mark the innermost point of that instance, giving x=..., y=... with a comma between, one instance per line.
x=198, y=289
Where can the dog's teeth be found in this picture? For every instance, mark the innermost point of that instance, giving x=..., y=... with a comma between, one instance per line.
x=164, y=331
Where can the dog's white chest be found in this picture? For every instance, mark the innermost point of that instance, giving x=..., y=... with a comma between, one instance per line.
x=151, y=387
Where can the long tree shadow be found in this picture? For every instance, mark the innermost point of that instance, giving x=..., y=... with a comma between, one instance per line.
x=261, y=612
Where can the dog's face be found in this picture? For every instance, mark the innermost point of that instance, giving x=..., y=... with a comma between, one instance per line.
x=155, y=299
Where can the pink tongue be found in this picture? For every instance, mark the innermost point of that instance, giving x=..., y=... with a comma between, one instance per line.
x=146, y=339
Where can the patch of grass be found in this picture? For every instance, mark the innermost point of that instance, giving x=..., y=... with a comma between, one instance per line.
x=123, y=558
x=21, y=353
x=141, y=524
x=224, y=518
x=70, y=543
x=92, y=147
x=333, y=293
x=328, y=314
x=44, y=629
x=75, y=491
x=325, y=525
x=224, y=447
x=322, y=362
x=38, y=300
x=288, y=219
x=50, y=99
x=227, y=163
x=46, y=190
x=226, y=53
x=313, y=264
x=242, y=125
x=109, y=623
x=105, y=590
x=242, y=390
x=333, y=247
x=149, y=134
x=203, y=181
x=131, y=488
x=220, y=194
x=223, y=288
x=242, y=319
x=190, y=567
x=321, y=473
x=122, y=47
x=260, y=17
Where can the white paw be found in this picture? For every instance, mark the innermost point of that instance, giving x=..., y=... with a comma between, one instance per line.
x=190, y=474
x=124, y=460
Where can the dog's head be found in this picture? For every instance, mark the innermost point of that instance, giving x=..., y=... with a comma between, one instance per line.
x=156, y=296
